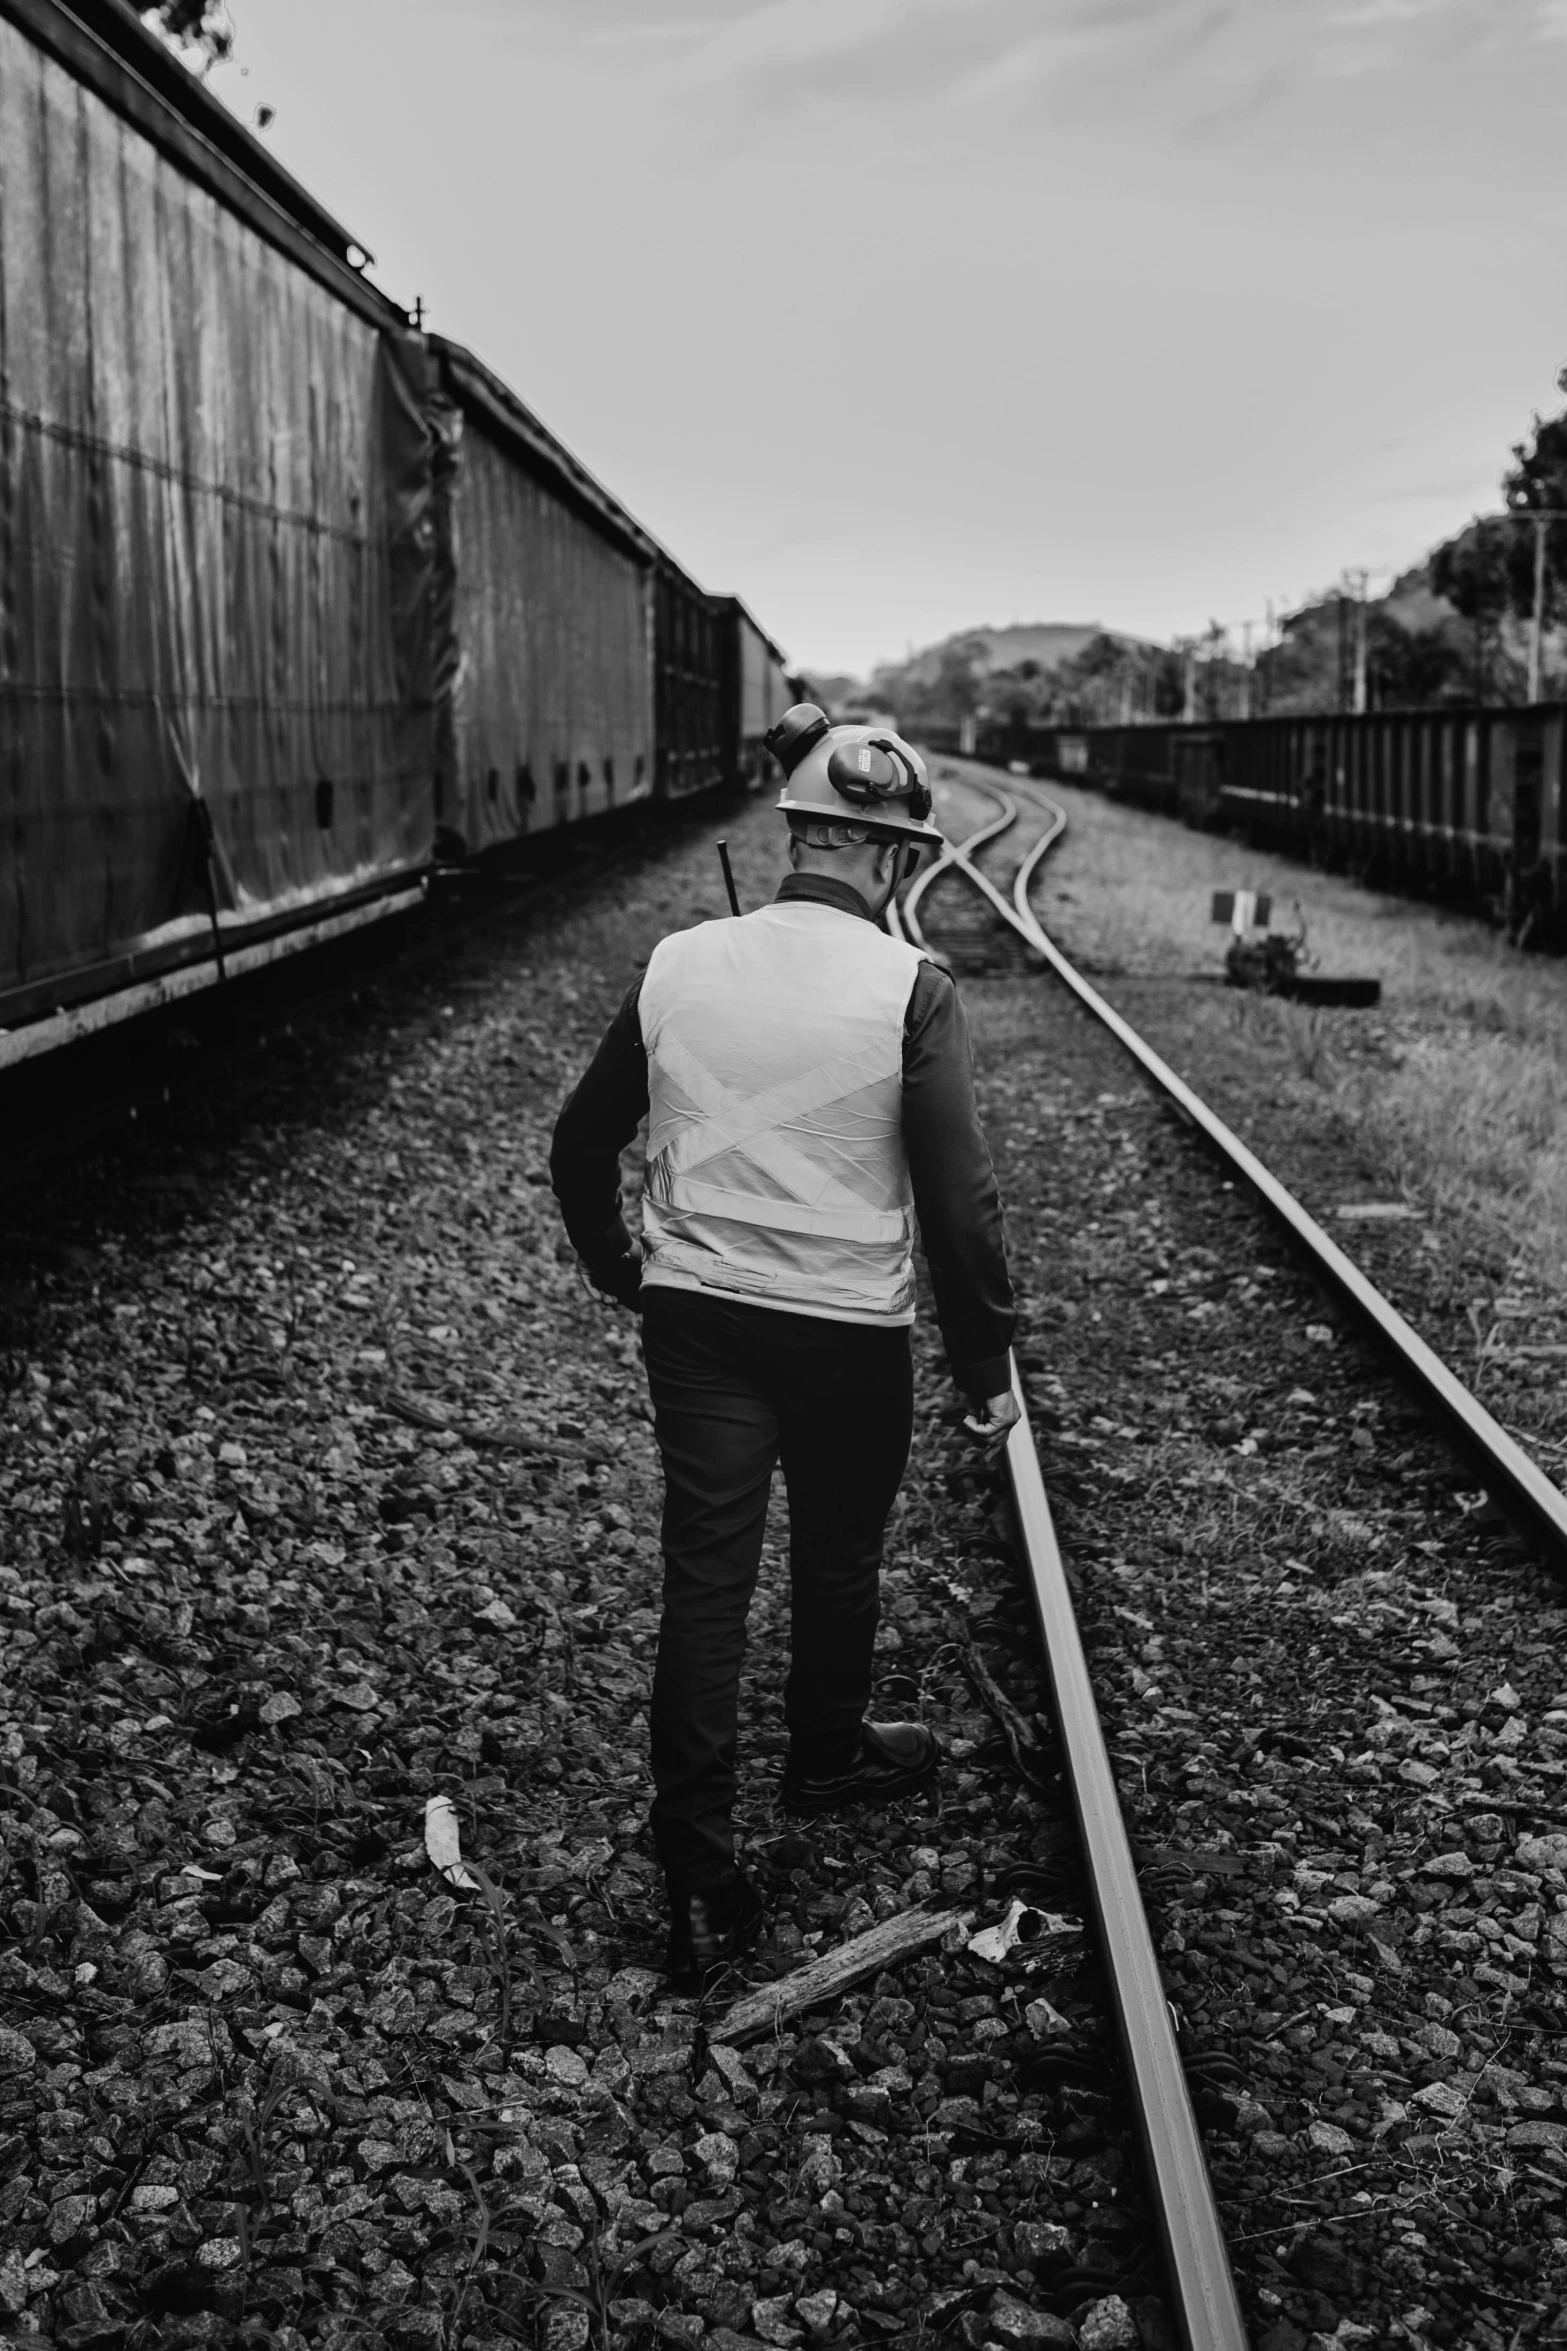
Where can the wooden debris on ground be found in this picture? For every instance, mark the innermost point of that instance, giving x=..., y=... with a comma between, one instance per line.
x=888, y=1942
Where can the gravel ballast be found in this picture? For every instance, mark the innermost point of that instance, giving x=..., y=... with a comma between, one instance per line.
x=330, y=1490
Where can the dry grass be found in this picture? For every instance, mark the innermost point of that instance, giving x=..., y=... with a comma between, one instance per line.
x=1473, y=1117
x=1307, y=1036
x=1480, y=1128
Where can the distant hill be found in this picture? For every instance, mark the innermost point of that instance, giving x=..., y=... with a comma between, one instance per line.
x=1028, y=670
x=1420, y=653
x=833, y=688
x=1047, y=643
x=1041, y=645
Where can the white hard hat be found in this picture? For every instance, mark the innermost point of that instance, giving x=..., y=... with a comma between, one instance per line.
x=865, y=777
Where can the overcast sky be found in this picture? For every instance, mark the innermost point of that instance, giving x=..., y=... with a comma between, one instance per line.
x=896, y=316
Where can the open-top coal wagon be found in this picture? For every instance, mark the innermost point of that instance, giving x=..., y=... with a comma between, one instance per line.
x=1472, y=800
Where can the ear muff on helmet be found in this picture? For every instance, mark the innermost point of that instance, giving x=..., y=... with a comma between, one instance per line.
x=800, y=729
x=868, y=774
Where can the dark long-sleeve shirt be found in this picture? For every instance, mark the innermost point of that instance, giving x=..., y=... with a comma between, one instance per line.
x=955, y=1195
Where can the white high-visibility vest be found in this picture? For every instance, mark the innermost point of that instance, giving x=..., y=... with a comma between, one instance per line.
x=775, y=1169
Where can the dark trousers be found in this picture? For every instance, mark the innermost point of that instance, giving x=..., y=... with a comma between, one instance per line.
x=736, y=1390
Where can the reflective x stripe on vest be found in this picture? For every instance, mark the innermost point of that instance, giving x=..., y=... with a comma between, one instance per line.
x=776, y=1166
x=804, y=1201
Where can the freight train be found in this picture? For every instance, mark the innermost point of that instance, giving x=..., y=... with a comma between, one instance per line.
x=295, y=597
x=1465, y=801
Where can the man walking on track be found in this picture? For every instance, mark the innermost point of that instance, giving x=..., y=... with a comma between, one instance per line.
x=809, y=1090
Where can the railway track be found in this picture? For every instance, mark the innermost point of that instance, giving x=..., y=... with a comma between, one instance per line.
x=433, y=1455
x=332, y=1491
x=1203, y=2297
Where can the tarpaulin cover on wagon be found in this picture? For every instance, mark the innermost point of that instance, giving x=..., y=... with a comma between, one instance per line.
x=213, y=558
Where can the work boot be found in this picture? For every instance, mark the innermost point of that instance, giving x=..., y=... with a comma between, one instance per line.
x=893, y=1759
x=709, y=1927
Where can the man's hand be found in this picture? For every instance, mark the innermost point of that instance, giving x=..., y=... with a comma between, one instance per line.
x=999, y=1419
x=619, y=1278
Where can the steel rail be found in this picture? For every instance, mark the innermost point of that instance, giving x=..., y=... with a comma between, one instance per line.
x=1536, y=1508
x=908, y=912
x=1206, y=2307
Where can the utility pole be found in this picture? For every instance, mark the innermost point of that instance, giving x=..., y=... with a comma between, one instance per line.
x=1537, y=623
x=1270, y=648
x=1246, y=627
x=1215, y=658
x=1359, y=580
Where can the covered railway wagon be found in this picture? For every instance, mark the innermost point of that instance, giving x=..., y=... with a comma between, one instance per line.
x=755, y=689
x=543, y=622
x=214, y=699
x=1471, y=799
x=293, y=597
x=688, y=685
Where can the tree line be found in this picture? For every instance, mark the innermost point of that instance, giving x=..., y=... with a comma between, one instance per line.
x=1453, y=630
